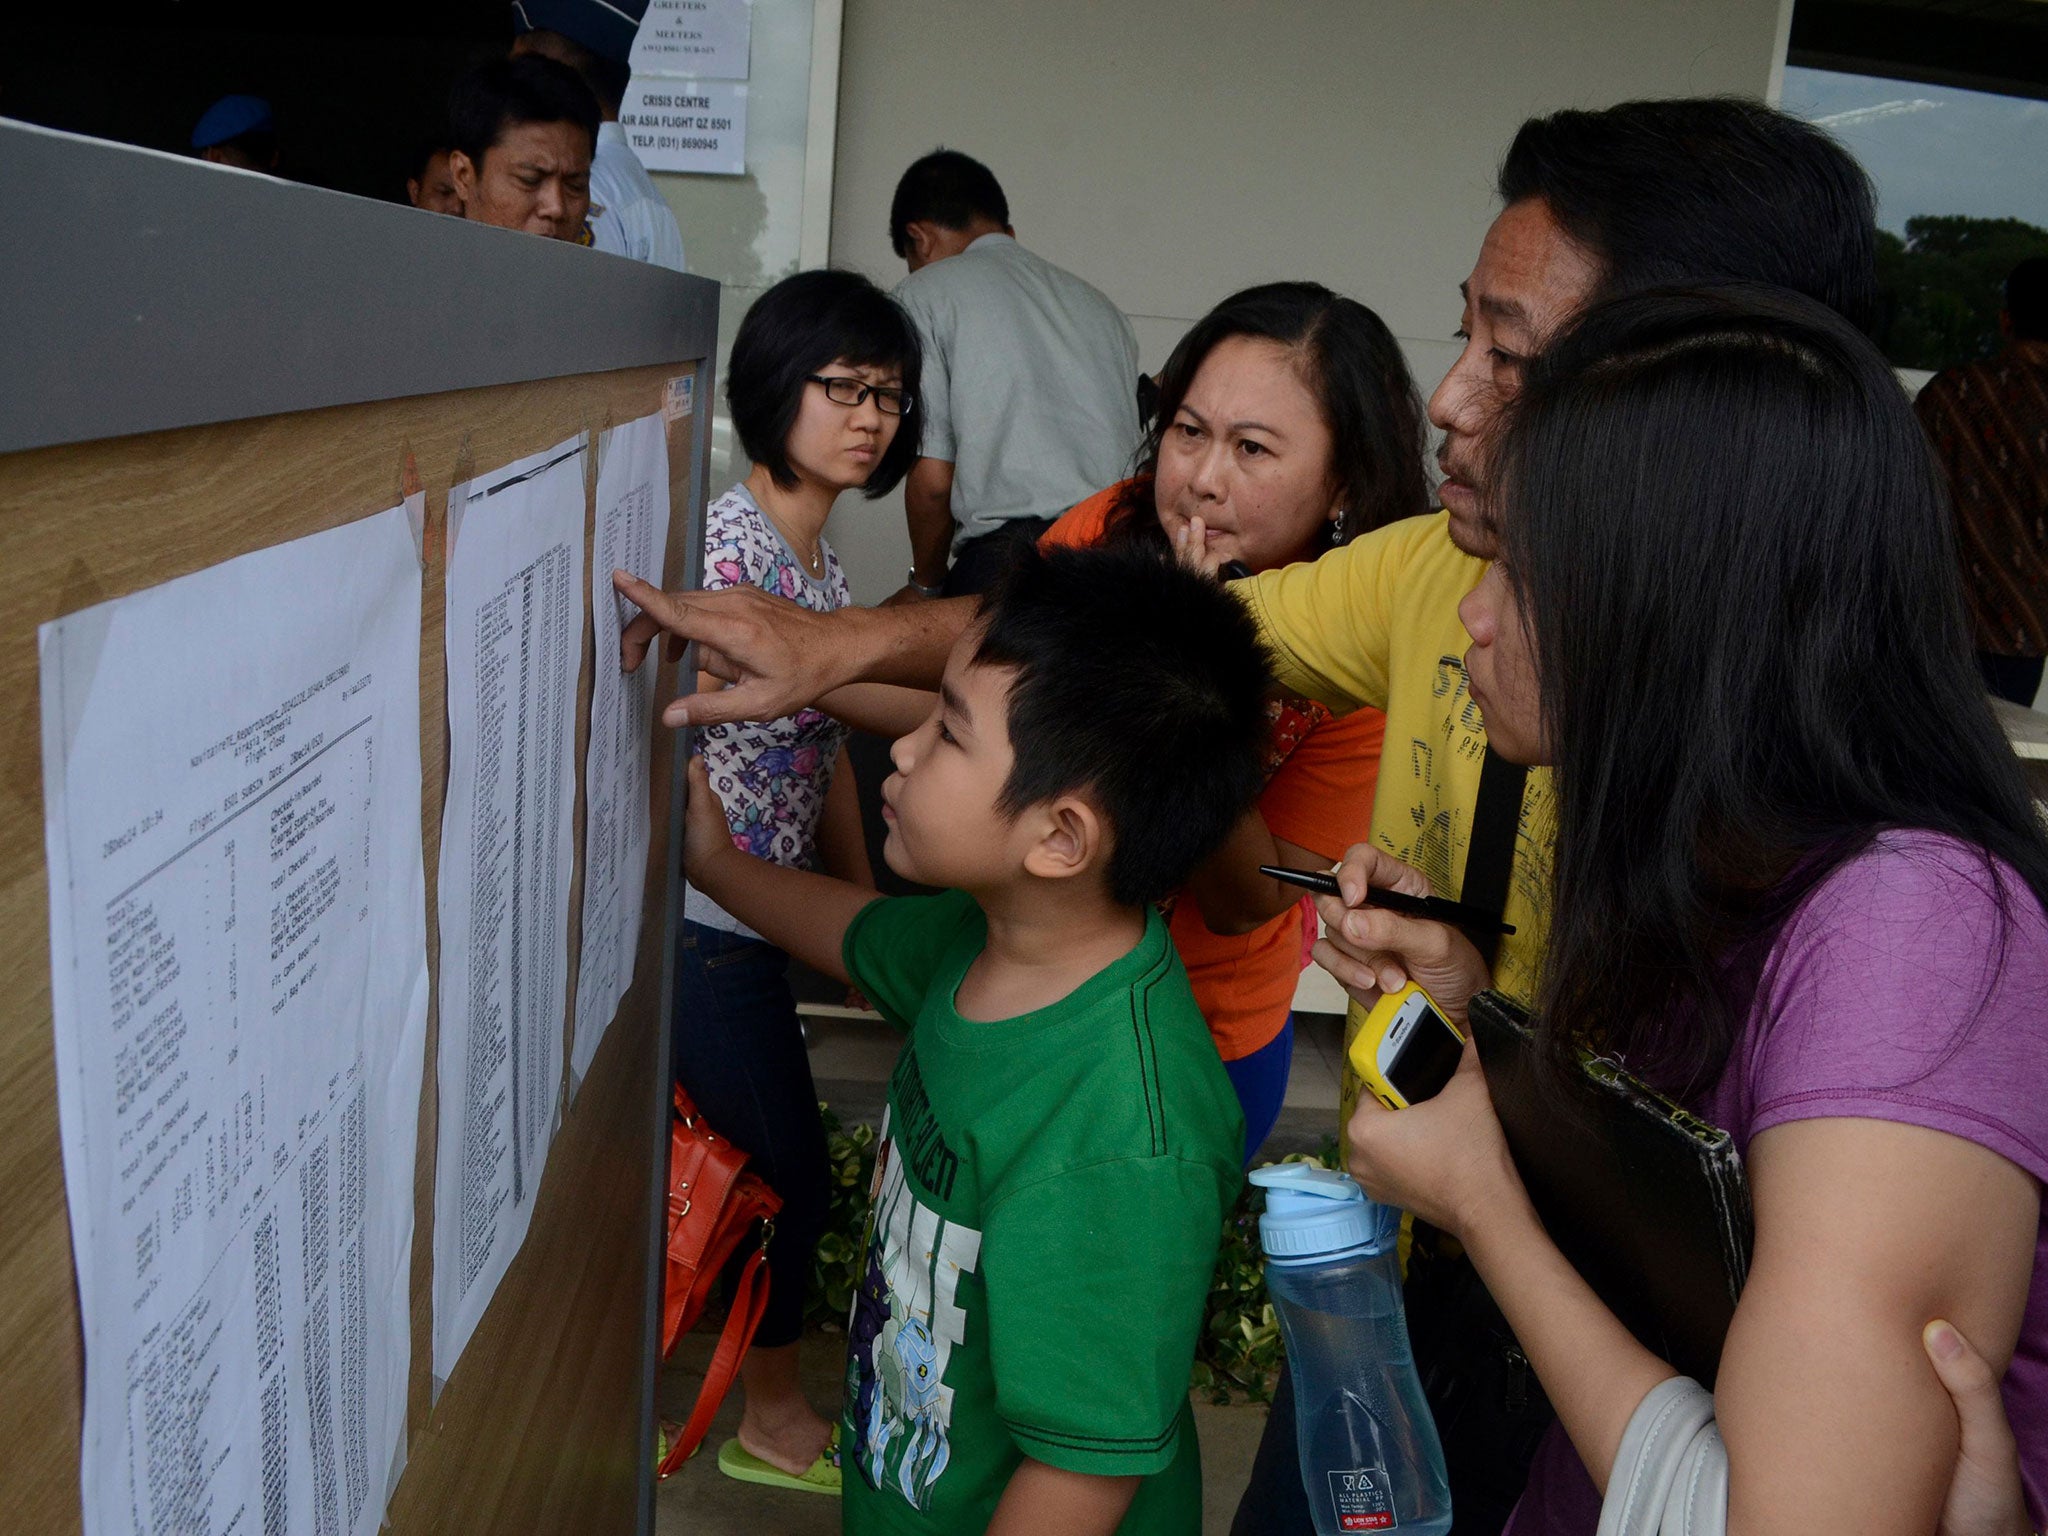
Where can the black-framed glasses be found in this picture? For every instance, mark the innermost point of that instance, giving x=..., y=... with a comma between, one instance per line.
x=851, y=392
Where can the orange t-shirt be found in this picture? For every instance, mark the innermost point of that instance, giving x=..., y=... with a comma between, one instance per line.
x=1321, y=772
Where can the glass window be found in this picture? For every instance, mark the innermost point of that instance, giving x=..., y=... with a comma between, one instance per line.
x=1962, y=190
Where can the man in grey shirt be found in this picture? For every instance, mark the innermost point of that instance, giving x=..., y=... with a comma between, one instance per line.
x=1029, y=398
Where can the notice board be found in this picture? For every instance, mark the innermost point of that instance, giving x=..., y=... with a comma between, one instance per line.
x=206, y=363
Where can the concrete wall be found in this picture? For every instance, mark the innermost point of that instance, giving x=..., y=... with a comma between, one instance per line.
x=1171, y=151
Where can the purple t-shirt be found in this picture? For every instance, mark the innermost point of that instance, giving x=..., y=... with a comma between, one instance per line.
x=1848, y=1022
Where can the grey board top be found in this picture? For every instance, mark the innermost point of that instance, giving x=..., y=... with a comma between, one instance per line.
x=141, y=291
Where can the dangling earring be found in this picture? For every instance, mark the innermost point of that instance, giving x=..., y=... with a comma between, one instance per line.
x=1337, y=526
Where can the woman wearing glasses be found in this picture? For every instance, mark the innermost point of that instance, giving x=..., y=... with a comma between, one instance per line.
x=822, y=389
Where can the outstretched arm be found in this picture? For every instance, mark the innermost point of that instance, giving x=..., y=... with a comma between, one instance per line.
x=805, y=913
x=882, y=708
x=782, y=656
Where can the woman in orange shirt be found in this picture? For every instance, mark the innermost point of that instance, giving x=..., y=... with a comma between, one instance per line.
x=1287, y=423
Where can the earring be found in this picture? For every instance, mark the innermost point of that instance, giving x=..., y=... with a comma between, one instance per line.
x=1337, y=525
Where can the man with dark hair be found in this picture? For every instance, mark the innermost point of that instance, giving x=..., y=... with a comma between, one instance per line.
x=432, y=185
x=1988, y=422
x=942, y=204
x=1656, y=189
x=1030, y=383
x=628, y=215
x=522, y=132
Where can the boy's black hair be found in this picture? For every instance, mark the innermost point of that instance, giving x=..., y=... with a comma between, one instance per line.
x=1140, y=684
x=948, y=189
x=805, y=323
x=503, y=93
x=1704, y=190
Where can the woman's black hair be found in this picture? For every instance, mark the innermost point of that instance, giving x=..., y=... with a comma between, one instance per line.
x=1354, y=368
x=1734, y=560
x=801, y=325
x=1140, y=684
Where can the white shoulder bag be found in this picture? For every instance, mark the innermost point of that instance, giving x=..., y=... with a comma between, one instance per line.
x=1670, y=1476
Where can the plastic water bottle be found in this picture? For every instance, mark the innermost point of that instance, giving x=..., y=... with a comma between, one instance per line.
x=1370, y=1457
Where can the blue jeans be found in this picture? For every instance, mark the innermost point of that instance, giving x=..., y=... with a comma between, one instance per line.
x=739, y=1053
x=1261, y=1083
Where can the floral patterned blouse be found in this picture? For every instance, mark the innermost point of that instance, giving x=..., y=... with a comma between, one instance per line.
x=772, y=775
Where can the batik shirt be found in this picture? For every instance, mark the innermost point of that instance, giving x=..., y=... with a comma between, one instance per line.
x=1989, y=425
x=772, y=774
x=1048, y=1199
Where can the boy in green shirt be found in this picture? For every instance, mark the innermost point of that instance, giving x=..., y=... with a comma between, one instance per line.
x=1061, y=1141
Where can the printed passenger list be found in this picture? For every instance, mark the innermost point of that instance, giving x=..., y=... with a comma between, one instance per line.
x=514, y=626
x=631, y=534
x=231, y=773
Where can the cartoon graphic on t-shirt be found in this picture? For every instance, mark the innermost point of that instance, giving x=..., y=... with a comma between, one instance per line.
x=902, y=1330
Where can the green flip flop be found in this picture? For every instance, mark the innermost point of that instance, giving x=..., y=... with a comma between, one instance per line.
x=822, y=1476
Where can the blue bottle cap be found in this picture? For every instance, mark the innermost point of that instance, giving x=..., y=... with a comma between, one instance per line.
x=1317, y=1214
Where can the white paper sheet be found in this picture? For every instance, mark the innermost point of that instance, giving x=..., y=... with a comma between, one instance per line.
x=707, y=38
x=231, y=773
x=631, y=535
x=515, y=629
x=695, y=126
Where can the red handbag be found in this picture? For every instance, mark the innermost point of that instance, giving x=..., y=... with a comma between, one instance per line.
x=713, y=1204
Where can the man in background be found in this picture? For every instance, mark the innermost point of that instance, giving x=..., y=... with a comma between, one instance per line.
x=238, y=131
x=522, y=132
x=432, y=184
x=1029, y=398
x=1989, y=425
x=628, y=216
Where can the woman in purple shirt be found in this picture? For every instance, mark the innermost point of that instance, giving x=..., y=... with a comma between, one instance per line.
x=1798, y=883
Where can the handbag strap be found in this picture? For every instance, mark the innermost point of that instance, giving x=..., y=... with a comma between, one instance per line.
x=1490, y=856
x=1670, y=1474
x=749, y=1301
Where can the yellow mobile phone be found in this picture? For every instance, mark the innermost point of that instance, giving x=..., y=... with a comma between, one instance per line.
x=1407, y=1050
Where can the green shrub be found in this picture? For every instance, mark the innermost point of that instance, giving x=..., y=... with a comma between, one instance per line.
x=1238, y=1354
x=835, y=1271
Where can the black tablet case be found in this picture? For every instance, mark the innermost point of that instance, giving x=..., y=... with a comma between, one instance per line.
x=1647, y=1201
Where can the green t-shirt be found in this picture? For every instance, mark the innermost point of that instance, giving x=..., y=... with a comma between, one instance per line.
x=1048, y=1199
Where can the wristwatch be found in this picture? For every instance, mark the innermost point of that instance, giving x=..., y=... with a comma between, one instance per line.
x=919, y=587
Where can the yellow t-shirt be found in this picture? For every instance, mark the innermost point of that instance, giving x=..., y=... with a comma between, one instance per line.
x=1376, y=623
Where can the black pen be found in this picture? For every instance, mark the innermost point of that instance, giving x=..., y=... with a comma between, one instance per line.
x=1436, y=908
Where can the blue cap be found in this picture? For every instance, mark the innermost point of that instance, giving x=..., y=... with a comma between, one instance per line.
x=230, y=118
x=1314, y=1214
x=605, y=27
